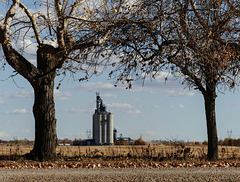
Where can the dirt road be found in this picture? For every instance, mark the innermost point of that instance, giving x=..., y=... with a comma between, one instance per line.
x=128, y=174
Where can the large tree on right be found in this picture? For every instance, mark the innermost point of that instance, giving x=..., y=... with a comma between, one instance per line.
x=195, y=40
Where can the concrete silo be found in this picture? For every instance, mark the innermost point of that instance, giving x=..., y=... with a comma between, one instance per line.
x=110, y=139
x=97, y=131
x=104, y=132
x=102, y=124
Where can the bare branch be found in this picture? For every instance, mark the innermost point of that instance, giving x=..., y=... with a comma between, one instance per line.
x=33, y=21
x=92, y=43
x=201, y=20
x=75, y=6
x=233, y=7
x=58, y=8
x=184, y=26
x=10, y=14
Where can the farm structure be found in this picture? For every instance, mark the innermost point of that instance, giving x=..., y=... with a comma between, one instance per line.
x=102, y=124
x=103, y=132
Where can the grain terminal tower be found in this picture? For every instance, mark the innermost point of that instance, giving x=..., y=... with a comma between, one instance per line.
x=102, y=124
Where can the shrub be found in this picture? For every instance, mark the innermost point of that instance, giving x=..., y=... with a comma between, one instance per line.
x=139, y=142
x=120, y=142
x=197, y=143
x=205, y=143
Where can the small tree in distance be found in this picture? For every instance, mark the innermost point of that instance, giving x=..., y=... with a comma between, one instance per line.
x=121, y=142
x=139, y=142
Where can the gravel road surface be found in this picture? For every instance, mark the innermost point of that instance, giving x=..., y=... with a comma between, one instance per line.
x=127, y=174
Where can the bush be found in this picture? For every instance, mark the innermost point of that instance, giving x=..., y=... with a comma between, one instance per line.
x=120, y=142
x=197, y=143
x=205, y=143
x=139, y=142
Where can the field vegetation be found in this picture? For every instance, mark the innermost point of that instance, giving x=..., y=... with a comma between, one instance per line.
x=149, y=152
x=175, y=154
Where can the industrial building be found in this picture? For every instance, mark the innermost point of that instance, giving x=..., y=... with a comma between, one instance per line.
x=103, y=132
x=102, y=124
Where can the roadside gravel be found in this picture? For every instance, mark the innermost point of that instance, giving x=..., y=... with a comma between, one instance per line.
x=127, y=174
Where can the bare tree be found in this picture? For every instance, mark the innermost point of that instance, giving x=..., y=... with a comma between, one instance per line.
x=68, y=34
x=195, y=40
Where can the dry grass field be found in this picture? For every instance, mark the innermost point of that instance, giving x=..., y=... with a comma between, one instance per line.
x=147, y=152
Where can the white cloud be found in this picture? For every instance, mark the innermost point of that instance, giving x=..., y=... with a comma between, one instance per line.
x=170, y=87
x=19, y=94
x=109, y=95
x=102, y=87
x=139, y=99
x=156, y=107
x=169, y=90
x=29, y=94
x=124, y=107
x=188, y=93
x=148, y=133
x=164, y=83
x=3, y=134
x=120, y=105
x=80, y=109
x=97, y=86
x=31, y=47
x=177, y=93
x=179, y=106
x=26, y=131
x=1, y=101
x=20, y=111
x=135, y=112
x=62, y=96
x=17, y=111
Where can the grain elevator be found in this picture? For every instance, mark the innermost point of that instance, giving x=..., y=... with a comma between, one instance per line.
x=102, y=124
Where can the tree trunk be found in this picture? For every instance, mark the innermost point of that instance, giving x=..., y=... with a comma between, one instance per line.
x=209, y=99
x=45, y=121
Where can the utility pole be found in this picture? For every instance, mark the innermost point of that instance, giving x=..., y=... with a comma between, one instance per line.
x=229, y=132
x=88, y=134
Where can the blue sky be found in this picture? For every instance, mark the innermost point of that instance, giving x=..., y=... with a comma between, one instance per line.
x=157, y=110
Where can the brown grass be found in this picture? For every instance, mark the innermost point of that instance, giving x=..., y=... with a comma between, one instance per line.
x=145, y=152
x=14, y=150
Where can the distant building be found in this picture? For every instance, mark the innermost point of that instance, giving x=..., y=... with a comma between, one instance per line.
x=102, y=124
x=122, y=140
x=88, y=142
x=103, y=131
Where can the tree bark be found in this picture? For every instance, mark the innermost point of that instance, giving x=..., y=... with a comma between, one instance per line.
x=45, y=121
x=209, y=99
x=44, y=107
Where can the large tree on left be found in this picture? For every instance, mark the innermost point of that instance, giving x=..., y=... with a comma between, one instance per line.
x=67, y=34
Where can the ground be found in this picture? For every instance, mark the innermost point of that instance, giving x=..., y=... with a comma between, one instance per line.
x=128, y=175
